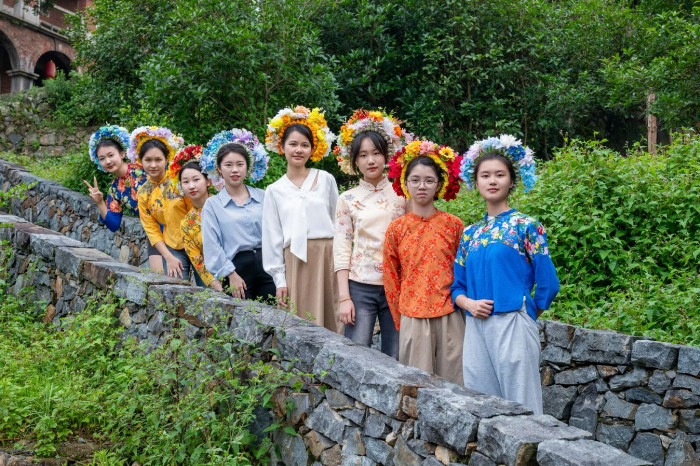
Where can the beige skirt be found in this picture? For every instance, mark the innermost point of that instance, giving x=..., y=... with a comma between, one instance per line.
x=313, y=288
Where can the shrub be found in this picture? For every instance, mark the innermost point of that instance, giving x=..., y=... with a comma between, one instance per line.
x=623, y=235
x=189, y=403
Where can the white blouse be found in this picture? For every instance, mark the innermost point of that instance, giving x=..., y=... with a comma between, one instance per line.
x=293, y=215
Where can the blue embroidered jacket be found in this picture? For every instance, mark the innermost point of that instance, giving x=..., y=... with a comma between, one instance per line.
x=502, y=258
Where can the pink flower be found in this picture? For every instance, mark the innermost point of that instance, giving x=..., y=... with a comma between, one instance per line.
x=427, y=147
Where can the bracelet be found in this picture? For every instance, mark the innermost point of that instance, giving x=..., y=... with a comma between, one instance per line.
x=345, y=299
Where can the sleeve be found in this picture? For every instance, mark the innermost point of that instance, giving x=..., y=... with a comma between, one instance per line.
x=391, y=273
x=342, y=240
x=192, y=249
x=546, y=279
x=332, y=194
x=212, y=242
x=112, y=221
x=150, y=225
x=459, y=286
x=273, y=242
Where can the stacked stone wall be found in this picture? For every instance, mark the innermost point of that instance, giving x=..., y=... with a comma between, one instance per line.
x=24, y=130
x=52, y=205
x=636, y=394
x=360, y=407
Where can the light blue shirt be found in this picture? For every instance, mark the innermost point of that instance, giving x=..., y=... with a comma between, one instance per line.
x=229, y=228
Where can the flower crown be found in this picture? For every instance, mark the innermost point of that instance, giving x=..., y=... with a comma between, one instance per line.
x=507, y=146
x=145, y=133
x=116, y=133
x=444, y=156
x=313, y=119
x=363, y=120
x=191, y=153
x=257, y=155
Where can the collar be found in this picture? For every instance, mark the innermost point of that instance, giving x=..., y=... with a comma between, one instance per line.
x=163, y=180
x=425, y=219
x=384, y=182
x=502, y=214
x=255, y=195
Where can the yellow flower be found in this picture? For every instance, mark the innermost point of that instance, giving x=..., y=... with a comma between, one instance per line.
x=277, y=123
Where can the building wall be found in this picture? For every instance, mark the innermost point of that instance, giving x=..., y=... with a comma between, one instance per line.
x=26, y=36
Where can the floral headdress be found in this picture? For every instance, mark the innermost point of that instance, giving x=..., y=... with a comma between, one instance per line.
x=444, y=156
x=116, y=133
x=363, y=120
x=314, y=119
x=257, y=155
x=145, y=133
x=507, y=146
x=191, y=153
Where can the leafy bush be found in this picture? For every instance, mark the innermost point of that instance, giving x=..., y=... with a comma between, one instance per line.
x=623, y=236
x=184, y=403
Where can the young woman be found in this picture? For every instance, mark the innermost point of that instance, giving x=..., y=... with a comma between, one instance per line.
x=232, y=220
x=186, y=173
x=362, y=216
x=107, y=150
x=159, y=202
x=419, y=250
x=499, y=260
x=298, y=217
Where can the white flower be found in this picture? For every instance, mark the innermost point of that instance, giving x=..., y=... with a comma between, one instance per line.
x=508, y=140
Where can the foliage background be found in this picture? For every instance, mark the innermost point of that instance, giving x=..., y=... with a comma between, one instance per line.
x=453, y=70
x=623, y=236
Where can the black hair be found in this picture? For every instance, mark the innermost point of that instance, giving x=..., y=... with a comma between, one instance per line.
x=194, y=165
x=496, y=156
x=232, y=148
x=377, y=140
x=108, y=143
x=428, y=162
x=298, y=127
x=150, y=144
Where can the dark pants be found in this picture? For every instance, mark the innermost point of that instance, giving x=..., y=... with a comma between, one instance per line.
x=370, y=303
x=258, y=283
x=187, y=267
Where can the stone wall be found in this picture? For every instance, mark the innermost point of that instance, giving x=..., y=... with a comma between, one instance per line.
x=52, y=205
x=361, y=408
x=635, y=394
x=639, y=395
x=23, y=129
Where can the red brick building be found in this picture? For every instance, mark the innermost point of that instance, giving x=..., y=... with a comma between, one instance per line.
x=28, y=41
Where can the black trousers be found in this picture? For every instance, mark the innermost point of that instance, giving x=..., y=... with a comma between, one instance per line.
x=249, y=266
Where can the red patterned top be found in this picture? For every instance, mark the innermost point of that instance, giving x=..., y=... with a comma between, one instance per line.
x=419, y=255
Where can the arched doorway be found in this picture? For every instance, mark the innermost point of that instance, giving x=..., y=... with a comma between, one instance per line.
x=61, y=61
x=8, y=61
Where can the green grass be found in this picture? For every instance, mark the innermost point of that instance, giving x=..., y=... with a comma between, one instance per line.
x=184, y=403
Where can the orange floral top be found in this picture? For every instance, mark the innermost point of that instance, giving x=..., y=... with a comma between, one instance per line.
x=419, y=254
x=192, y=238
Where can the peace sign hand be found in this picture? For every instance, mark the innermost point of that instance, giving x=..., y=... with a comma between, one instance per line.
x=95, y=193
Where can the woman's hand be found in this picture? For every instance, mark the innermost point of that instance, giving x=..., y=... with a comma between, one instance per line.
x=346, y=312
x=96, y=195
x=282, y=295
x=94, y=191
x=216, y=285
x=479, y=308
x=238, y=286
x=175, y=267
